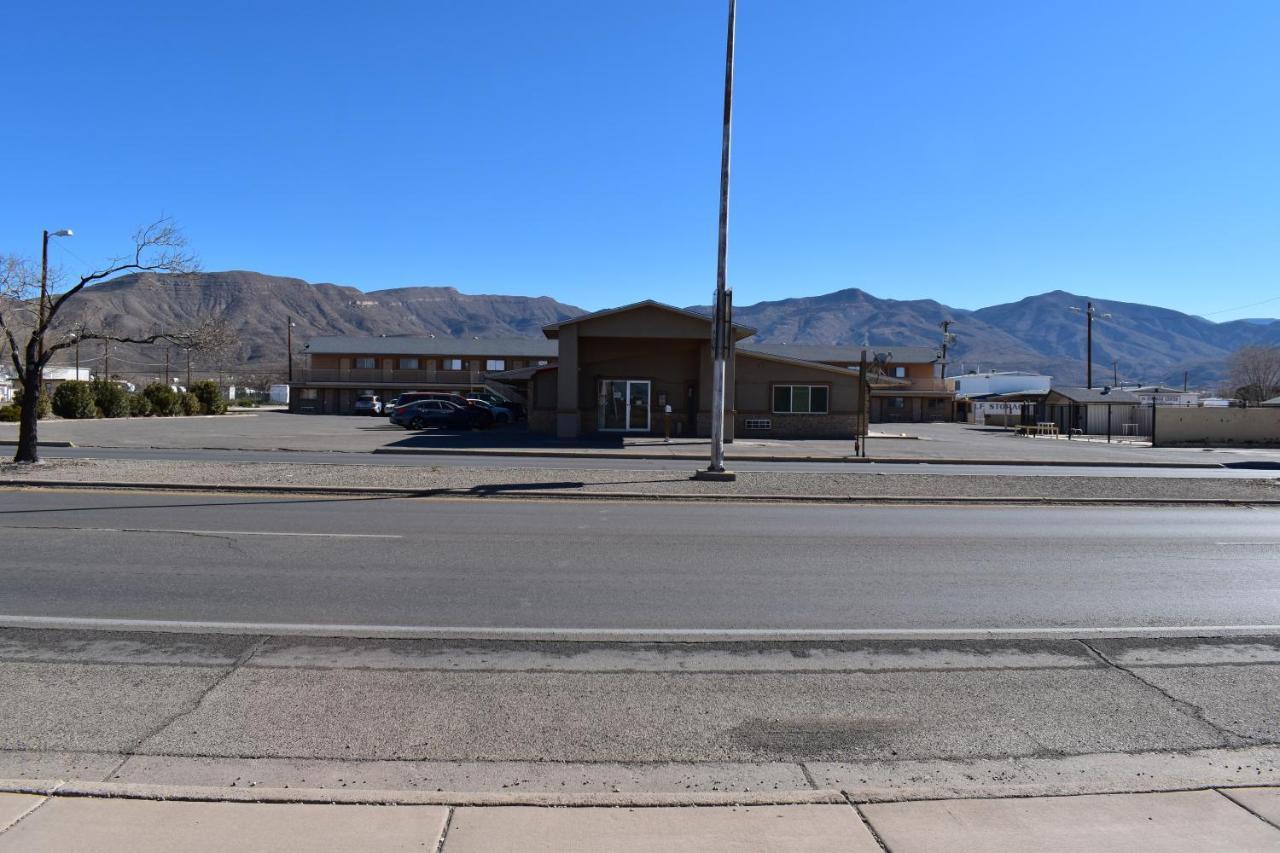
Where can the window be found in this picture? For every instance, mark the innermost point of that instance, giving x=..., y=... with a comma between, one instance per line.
x=495, y=364
x=800, y=399
x=900, y=372
x=451, y=364
x=408, y=364
x=897, y=402
x=309, y=394
x=542, y=362
x=366, y=363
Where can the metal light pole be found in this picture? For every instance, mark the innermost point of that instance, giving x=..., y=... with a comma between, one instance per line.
x=721, y=333
x=289, y=344
x=1089, y=313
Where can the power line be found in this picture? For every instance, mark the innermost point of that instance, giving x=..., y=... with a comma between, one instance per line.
x=1242, y=307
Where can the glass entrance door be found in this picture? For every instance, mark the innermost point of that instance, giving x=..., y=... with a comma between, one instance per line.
x=624, y=405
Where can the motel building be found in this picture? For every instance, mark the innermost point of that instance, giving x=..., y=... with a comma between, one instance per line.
x=627, y=370
x=640, y=369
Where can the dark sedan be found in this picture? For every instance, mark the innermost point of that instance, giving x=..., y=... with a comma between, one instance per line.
x=436, y=413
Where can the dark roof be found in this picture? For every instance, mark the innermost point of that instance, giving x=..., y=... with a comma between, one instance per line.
x=1093, y=395
x=845, y=353
x=437, y=345
x=743, y=331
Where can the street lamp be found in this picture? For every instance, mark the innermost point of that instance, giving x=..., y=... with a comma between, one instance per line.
x=289, y=344
x=44, y=268
x=1089, y=313
x=721, y=327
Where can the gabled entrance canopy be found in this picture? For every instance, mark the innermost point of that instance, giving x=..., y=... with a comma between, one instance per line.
x=647, y=319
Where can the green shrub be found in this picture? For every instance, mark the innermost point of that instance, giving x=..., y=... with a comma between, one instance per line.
x=190, y=403
x=139, y=406
x=43, y=407
x=165, y=402
x=111, y=399
x=210, y=396
x=10, y=413
x=74, y=400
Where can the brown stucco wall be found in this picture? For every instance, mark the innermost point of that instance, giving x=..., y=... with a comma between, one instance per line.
x=755, y=379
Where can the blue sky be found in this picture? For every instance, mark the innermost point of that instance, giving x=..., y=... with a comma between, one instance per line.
x=972, y=152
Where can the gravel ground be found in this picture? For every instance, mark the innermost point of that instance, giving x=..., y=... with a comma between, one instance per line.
x=559, y=481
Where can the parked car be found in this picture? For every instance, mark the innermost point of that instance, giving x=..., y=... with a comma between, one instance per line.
x=407, y=398
x=438, y=413
x=368, y=404
x=501, y=414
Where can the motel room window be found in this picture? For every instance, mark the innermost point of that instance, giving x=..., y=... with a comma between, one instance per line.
x=897, y=402
x=309, y=394
x=495, y=364
x=451, y=364
x=900, y=372
x=408, y=364
x=366, y=363
x=800, y=399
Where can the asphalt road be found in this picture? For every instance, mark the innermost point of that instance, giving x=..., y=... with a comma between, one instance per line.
x=614, y=464
x=604, y=567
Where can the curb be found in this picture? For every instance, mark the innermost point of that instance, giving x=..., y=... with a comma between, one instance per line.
x=200, y=793
x=480, y=493
x=734, y=457
x=4, y=442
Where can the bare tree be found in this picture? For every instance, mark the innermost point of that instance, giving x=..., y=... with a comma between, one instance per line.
x=29, y=308
x=1255, y=373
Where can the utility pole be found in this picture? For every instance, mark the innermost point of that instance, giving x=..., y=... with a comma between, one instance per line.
x=1185, y=374
x=1115, y=372
x=188, y=368
x=166, y=365
x=1088, y=348
x=947, y=340
x=720, y=331
x=106, y=358
x=77, y=358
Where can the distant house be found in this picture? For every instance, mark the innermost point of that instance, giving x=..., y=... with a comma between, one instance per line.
x=6, y=390
x=336, y=370
x=910, y=390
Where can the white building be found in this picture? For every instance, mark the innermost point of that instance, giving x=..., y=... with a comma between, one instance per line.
x=66, y=374
x=968, y=385
x=1162, y=396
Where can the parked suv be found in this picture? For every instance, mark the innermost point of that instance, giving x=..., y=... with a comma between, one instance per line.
x=368, y=404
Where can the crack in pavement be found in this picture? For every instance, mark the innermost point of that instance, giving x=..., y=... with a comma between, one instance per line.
x=128, y=753
x=1182, y=706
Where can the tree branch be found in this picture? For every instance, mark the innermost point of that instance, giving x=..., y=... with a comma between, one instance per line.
x=162, y=236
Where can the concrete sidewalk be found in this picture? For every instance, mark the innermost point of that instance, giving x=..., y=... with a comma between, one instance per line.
x=1238, y=820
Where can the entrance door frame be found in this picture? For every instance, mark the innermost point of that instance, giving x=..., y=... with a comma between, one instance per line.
x=648, y=410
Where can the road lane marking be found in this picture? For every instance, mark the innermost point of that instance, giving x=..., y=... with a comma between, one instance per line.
x=209, y=532
x=692, y=635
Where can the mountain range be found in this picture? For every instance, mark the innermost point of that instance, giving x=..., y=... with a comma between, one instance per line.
x=1039, y=333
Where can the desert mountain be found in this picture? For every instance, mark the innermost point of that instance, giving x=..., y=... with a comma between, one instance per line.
x=1041, y=333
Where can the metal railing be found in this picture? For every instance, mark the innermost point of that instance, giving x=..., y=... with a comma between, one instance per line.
x=379, y=376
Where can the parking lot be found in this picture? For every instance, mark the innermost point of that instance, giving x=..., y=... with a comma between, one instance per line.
x=279, y=430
